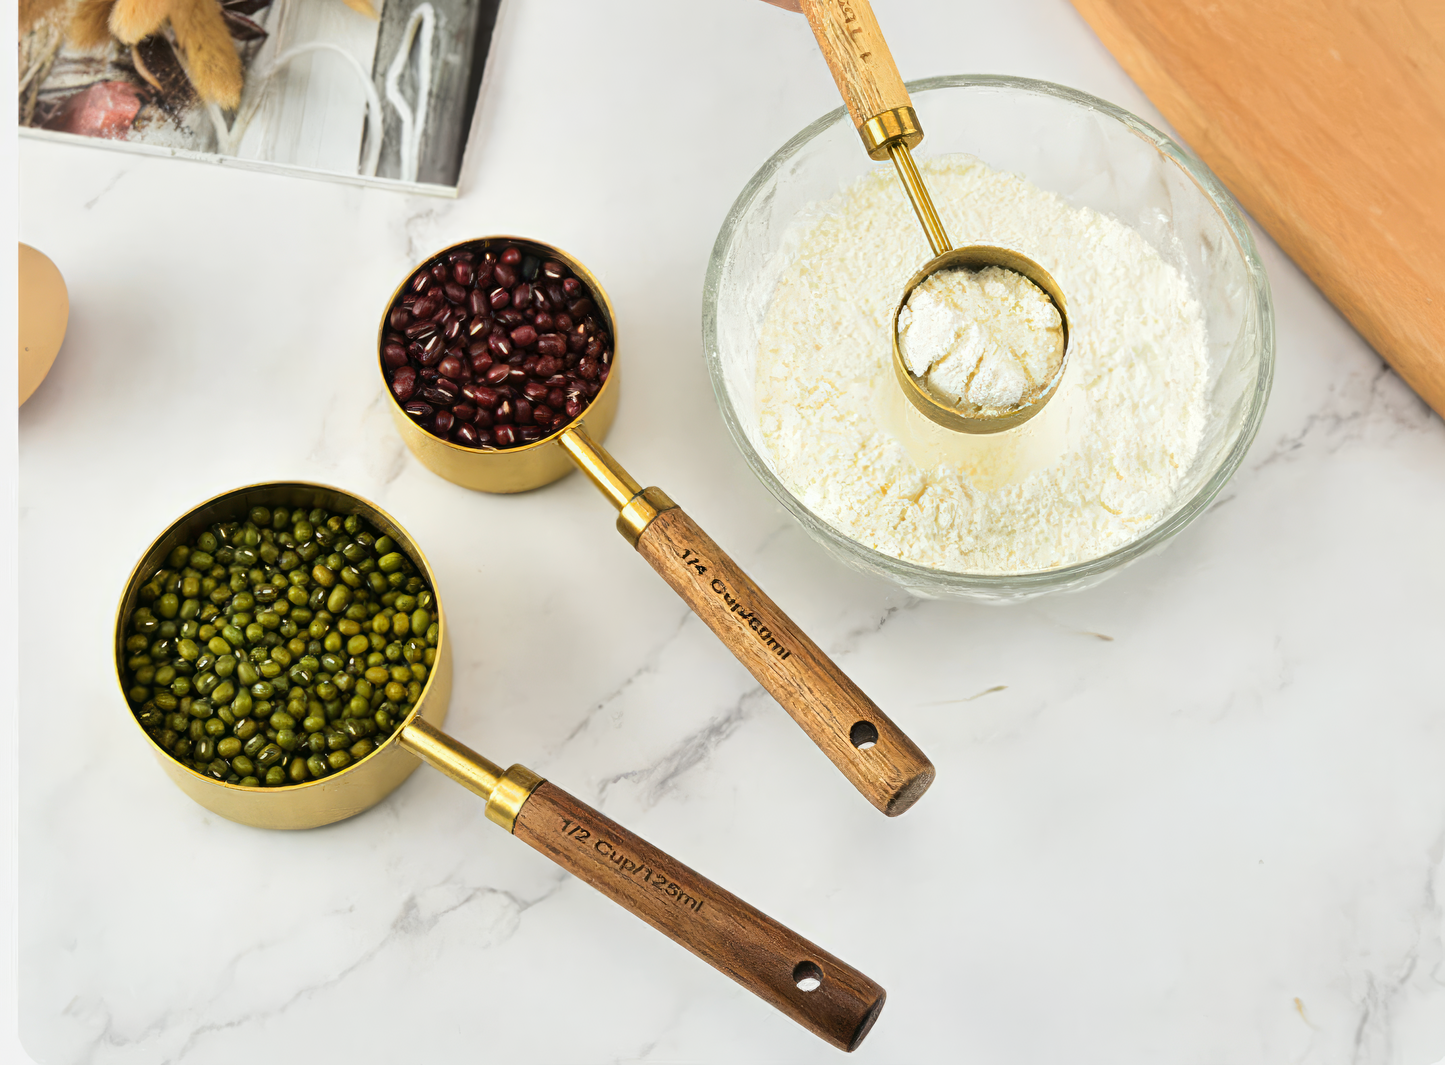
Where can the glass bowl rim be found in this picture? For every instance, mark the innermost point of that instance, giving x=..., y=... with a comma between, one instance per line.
x=1004, y=585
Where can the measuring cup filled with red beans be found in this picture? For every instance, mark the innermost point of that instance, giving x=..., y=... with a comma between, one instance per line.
x=500, y=356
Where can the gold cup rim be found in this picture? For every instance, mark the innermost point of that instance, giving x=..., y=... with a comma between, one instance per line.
x=604, y=303
x=977, y=257
x=162, y=545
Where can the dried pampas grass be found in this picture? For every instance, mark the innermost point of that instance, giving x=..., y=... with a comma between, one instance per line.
x=131, y=20
x=199, y=31
x=32, y=11
x=89, y=27
x=209, y=55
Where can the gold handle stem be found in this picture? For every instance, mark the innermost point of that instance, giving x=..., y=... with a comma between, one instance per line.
x=601, y=468
x=456, y=760
x=506, y=793
x=637, y=506
x=918, y=194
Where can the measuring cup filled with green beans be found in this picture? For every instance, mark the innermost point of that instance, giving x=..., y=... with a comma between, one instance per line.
x=284, y=653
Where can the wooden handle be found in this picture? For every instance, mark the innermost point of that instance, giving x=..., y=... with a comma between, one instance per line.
x=858, y=56
x=768, y=959
x=873, y=752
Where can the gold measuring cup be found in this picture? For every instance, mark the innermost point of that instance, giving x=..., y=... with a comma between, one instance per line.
x=824, y=994
x=868, y=79
x=872, y=752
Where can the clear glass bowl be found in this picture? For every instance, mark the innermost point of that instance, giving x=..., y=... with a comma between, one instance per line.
x=1092, y=154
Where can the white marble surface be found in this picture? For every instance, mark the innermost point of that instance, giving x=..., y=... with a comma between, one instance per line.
x=1195, y=815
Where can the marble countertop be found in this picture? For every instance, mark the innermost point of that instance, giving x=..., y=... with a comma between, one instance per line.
x=1194, y=815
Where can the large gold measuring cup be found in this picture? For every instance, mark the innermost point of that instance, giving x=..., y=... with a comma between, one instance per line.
x=866, y=76
x=810, y=985
x=872, y=752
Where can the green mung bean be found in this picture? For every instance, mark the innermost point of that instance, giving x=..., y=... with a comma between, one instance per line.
x=279, y=648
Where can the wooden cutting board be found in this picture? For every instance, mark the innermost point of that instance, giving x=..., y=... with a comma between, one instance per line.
x=1326, y=118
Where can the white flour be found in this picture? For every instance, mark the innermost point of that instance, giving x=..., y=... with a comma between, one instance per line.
x=989, y=339
x=1099, y=465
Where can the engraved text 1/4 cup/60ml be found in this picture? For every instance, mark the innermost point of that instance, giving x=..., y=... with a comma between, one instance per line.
x=810, y=985
x=870, y=750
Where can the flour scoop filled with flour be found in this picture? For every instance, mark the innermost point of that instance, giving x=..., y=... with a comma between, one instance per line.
x=981, y=333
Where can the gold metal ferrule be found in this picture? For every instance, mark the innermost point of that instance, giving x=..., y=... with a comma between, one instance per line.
x=510, y=795
x=633, y=519
x=898, y=125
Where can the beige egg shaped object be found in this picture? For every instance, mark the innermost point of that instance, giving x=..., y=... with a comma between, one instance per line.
x=44, y=312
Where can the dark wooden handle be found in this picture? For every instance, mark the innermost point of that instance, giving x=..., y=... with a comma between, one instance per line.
x=873, y=752
x=858, y=56
x=768, y=959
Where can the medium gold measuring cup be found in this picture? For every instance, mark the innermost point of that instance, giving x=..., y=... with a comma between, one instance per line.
x=868, y=80
x=870, y=750
x=810, y=985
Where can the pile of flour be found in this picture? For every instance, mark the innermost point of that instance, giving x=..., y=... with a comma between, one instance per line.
x=989, y=339
x=1100, y=464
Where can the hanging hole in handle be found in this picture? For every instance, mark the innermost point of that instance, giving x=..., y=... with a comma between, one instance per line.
x=863, y=734
x=807, y=976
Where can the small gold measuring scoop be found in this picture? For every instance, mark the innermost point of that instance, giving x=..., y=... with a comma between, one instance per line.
x=818, y=990
x=868, y=80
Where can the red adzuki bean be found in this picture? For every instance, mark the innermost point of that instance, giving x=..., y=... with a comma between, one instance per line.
x=492, y=349
x=403, y=383
x=481, y=395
